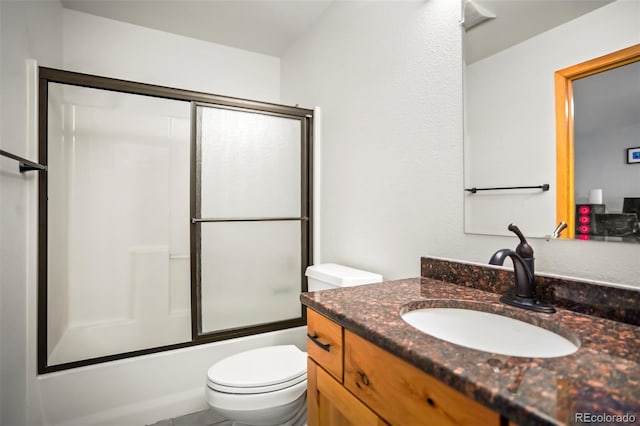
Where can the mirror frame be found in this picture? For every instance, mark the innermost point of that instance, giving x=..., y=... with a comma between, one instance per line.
x=565, y=195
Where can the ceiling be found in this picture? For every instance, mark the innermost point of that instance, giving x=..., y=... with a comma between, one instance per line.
x=271, y=26
x=263, y=26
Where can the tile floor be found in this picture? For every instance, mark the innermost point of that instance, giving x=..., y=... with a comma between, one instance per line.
x=199, y=418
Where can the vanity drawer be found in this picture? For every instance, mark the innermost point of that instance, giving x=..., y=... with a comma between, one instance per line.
x=324, y=343
x=402, y=394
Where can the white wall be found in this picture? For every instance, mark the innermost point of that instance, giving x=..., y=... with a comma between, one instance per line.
x=106, y=47
x=388, y=76
x=28, y=30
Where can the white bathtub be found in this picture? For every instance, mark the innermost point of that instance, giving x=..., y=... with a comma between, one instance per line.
x=142, y=390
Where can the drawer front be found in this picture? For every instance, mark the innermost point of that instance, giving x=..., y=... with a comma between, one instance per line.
x=402, y=394
x=324, y=343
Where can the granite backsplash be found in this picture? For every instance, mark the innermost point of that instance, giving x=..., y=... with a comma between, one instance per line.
x=614, y=303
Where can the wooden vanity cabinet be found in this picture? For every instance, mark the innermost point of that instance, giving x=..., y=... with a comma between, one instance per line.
x=369, y=386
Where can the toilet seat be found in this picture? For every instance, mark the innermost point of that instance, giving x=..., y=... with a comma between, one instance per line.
x=261, y=370
x=257, y=389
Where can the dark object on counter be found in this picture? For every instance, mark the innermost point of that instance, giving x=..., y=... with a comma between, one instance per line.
x=523, y=269
x=616, y=224
x=631, y=205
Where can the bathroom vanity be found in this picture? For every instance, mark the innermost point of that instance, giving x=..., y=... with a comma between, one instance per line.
x=368, y=366
x=352, y=374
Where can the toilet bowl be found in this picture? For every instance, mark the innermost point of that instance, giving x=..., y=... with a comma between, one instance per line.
x=267, y=386
x=264, y=386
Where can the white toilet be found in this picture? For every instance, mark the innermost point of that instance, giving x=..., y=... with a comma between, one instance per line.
x=267, y=386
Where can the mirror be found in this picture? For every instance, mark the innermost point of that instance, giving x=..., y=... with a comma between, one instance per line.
x=510, y=118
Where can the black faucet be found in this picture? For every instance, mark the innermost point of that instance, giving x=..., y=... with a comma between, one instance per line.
x=524, y=274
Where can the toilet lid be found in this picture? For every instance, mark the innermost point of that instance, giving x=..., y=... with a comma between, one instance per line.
x=273, y=367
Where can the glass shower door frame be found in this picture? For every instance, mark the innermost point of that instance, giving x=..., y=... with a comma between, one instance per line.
x=51, y=75
x=306, y=126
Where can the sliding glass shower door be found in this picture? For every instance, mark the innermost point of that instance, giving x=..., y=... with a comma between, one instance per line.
x=251, y=217
x=167, y=218
x=118, y=231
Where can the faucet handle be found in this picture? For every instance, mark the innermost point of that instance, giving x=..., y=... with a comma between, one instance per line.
x=524, y=250
x=561, y=227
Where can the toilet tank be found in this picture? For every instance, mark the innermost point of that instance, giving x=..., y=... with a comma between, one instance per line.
x=325, y=276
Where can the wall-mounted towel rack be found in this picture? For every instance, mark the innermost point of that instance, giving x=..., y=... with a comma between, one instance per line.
x=25, y=165
x=544, y=187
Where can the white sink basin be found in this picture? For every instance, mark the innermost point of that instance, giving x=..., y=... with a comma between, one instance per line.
x=489, y=332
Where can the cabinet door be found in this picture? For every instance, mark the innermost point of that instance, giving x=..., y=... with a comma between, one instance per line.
x=330, y=404
x=403, y=394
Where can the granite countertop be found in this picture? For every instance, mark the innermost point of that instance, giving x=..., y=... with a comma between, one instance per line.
x=601, y=378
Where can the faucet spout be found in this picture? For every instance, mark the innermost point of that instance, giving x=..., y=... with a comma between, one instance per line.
x=524, y=281
x=499, y=257
x=523, y=295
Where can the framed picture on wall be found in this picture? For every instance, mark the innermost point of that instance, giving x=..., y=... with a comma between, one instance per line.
x=633, y=155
